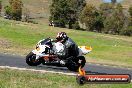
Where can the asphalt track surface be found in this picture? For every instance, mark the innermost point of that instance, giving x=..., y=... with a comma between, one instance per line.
x=19, y=62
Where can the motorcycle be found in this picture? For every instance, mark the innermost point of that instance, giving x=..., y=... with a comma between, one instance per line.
x=46, y=52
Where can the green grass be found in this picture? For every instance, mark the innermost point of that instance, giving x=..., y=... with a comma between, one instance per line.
x=26, y=79
x=107, y=49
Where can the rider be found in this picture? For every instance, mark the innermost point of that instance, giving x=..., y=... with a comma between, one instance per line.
x=70, y=45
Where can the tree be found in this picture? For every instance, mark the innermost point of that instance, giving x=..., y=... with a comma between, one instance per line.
x=106, y=9
x=76, y=6
x=130, y=12
x=88, y=16
x=26, y=15
x=8, y=12
x=99, y=25
x=0, y=6
x=114, y=23
x=127, y=31
x=58, y=10
x=15, y=8
x=113, y=1
x=66, y=12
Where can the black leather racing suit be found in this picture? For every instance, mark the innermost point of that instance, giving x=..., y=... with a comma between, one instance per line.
x=71, y=48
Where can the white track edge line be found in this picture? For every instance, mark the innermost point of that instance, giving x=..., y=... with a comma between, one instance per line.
x=34, y=70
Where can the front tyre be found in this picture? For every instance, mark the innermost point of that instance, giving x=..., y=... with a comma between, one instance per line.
x=31, y=59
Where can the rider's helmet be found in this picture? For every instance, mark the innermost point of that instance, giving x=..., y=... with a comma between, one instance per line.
x=62, y=36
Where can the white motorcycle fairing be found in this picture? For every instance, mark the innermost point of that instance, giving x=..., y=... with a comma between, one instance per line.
x=47, y=52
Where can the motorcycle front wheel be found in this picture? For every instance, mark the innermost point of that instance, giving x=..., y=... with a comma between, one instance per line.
x=31, y=59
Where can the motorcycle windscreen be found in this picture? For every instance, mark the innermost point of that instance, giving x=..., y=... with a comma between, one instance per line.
x=45, y=41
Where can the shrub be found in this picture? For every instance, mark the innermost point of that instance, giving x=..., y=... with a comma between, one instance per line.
x=127, y=31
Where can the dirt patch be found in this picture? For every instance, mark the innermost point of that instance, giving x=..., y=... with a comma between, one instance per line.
x=4, y=43
x=6, y=46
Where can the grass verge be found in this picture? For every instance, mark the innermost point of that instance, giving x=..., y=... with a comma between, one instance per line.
x=26, y=79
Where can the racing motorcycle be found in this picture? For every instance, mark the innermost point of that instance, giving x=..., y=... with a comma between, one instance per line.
x=48, y=52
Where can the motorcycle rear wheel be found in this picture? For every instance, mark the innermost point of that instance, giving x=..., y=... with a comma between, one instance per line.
x=31, y=59
x=83, y=61
x=74, y=65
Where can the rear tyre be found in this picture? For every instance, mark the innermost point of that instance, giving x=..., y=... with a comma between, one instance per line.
x=31, y=59
x=81, y=61
x=74, y=65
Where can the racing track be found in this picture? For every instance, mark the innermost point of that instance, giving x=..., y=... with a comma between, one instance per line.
x=19, y=62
